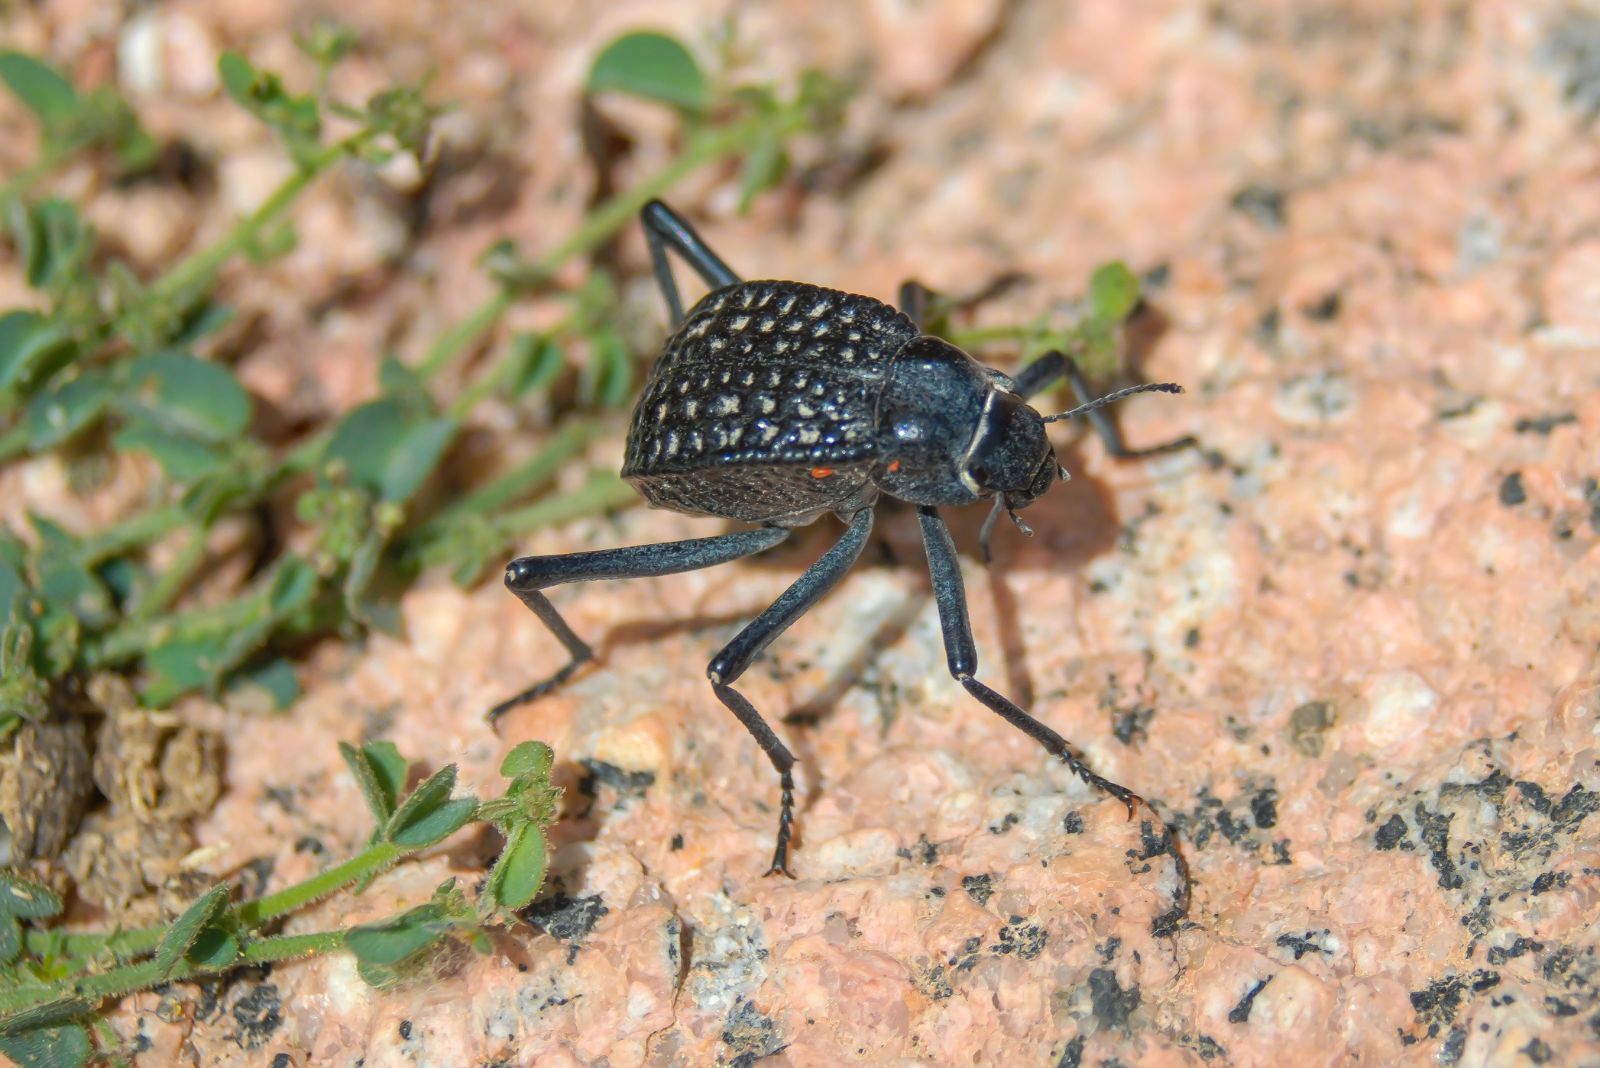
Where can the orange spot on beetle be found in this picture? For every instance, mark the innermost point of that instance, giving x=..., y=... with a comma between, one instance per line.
x=894, y=465
x=821, y=472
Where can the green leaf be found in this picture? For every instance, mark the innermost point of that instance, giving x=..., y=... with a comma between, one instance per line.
x=272, y=244
x=528, y=758
x=380, y=771
x=57, y=416
x=379, y=976
x=430, y=815
x=399, y=938
x=40, y=87
x=654, y=66
x=27, y=899
x=217, y=947
x=188, y=395
x=181, y=936
x=390, y=446
x=296, y=118
x=183, y=459
x=65, y=585
x=293, y=588
x=49, y=1047
x=519, y=873
x=764, y=167
x=206, y=319
x=239, y=78
x=27, y=235
x=616, y=364
x=536, y=360
x=23, y=694
x=27, y=340
x=395, y=376
x=1113, y=292
x=366, y=437
x=180, y=666
x=415, y=456
x=64, y=243
x=363, y=571
x=277, y=677
x=327, y=42
x=10, y=938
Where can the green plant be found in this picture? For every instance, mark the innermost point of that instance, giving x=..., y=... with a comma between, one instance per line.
x=52, y=982
x=1094, y=339
x=113, y=363
x=107, y=363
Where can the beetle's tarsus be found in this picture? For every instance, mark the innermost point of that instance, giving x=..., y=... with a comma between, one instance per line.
x=537, y=690
x=780, y=852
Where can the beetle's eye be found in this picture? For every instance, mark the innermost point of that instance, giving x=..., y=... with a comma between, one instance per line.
x=979, y=473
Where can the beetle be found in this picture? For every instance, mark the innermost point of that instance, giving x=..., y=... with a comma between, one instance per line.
x=774, y=403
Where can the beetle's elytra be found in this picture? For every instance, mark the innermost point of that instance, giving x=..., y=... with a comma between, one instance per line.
x=776, y=402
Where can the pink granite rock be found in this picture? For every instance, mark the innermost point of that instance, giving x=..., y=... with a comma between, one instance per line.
x=1351, y=652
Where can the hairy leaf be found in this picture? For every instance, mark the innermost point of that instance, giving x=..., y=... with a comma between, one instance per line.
x=40, y=87
x=654, y=66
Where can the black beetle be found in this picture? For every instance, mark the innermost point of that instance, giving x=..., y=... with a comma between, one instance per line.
x=775, y=402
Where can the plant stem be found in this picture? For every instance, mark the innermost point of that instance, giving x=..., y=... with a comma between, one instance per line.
x=984, y=335
x=172, y=581
x=14, y=442
x=199, y=266
x=133, y=533
x=599, y=493
x=503, y=489
x=251, y=914
x=705, y=147
x=138, y=635
x=84, y=944
x=51, y=155
x=118, y=982
x=365, y=864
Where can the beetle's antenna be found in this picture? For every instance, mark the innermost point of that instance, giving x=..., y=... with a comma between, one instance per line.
x=1116, y=395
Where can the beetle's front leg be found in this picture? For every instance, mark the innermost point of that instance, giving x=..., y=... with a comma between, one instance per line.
x=528, y=575
x=961, y=653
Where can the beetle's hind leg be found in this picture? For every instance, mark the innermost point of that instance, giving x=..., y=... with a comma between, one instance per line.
x=526, y=576
x=961, y=654
x=664, y=230
x=1051, y=368
x=735, y=657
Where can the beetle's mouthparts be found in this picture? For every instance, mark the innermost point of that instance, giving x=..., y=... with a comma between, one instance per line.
x=1027, y=531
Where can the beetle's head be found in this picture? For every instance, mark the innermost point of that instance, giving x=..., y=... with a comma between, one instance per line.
x=1010, y=456
x=952, y=431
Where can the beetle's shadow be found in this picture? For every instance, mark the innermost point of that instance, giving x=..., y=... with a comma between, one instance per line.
x=1074, y=523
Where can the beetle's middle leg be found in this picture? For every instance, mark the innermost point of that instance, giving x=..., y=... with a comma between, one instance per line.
x=527, y=575
x=726, y=667
x=961, y=654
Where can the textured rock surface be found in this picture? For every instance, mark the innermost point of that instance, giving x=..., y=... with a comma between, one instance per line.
x=1355, y=660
